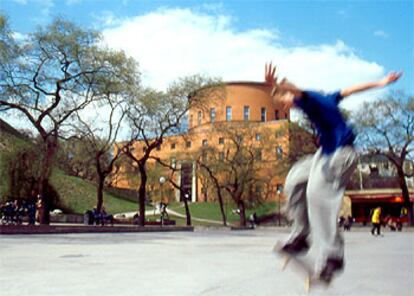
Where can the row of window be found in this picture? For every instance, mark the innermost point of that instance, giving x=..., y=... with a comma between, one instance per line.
x=258, y=189
x=258, y=155
x=246, y=115
x=204, y=143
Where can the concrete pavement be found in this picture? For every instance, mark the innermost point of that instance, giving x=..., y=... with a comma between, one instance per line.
x=204, y=262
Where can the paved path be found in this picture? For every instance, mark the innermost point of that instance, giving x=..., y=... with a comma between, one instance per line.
x=207, y=262
x=156, y=211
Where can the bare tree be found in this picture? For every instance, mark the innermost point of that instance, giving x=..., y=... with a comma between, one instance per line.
x=209, y=168
x=56, y=72
x=386, y=127
x=238, y=168
x=99, y=139
x=154, y=115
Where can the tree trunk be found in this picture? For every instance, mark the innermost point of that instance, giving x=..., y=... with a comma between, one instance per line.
x=141, y=194
x=50, y=146
x=223, y=213
x=44, y=209
x=99, y=200
x=242, y=213
x=220, y=197
x=187, y=211
x=406, y=195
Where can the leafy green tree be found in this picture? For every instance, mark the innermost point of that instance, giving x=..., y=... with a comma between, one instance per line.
x=56, y=71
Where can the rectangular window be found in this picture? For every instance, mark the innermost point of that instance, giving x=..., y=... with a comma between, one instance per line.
x=173, y=162
x=279, y=152
x=279, y=133
x=221, y=155
x=188, y=144
x=204, y=157
x=213, y=114
x=205, y=142
x=199, y=117
x=246, y=113
x=276, y=114
x=221, y=141
x=190, y=124
x=279, y=188
x=258, y=154
x=172, y=146
x=263, y=114
x=258, y=137
x=228, y=113
x=239, y=139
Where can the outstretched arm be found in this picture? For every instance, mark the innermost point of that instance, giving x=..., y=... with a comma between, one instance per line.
x=390, y=78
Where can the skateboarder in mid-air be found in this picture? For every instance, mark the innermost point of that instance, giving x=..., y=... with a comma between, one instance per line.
x=315, y=185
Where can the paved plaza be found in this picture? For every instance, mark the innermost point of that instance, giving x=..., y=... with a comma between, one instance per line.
x=204, y=262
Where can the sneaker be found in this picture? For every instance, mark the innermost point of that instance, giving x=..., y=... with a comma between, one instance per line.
x=297, y=246
x=332, y=266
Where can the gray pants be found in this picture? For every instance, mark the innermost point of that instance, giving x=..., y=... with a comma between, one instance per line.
x=314, y=189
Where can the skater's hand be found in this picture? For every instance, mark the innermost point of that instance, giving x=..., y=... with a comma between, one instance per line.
x=270, y=75
x=390, y=78
x=278, y=87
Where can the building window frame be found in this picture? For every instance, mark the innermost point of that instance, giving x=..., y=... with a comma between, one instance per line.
x=212, y=114
x=246, y=113
x=191, y=121
x=173, y=162
x=221, y=155
x=279, y=152
x=199, y=117
x=228, y=113
x=263, y=114
x=258, y=154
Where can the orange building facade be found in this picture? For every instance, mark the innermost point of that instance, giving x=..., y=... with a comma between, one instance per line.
x=247, y=108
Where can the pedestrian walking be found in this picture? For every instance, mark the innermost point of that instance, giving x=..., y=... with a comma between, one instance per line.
x=348, y=223
x=376, y=221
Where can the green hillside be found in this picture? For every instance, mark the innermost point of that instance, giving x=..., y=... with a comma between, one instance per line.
x=75, y=195
x=78, y=195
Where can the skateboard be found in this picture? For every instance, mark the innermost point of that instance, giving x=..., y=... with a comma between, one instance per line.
x=300, y=265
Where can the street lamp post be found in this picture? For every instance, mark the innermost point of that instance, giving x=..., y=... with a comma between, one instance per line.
x=162, y=181
x=187, y=210
x=278, y=206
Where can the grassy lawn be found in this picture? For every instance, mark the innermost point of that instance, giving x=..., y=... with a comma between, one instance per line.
x=181, y=221
x=78, y=195
x=211, y=211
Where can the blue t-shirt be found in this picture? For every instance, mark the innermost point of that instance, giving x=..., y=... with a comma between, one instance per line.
x=323, y=111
